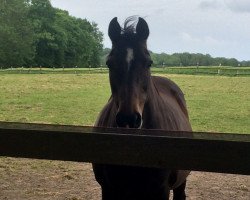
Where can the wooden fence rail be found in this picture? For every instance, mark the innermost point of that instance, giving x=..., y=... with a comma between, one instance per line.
x=213, y=152
x=225, y=71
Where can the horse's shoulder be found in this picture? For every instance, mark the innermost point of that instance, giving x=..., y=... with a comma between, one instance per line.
x=165, y=85
x=106, y=116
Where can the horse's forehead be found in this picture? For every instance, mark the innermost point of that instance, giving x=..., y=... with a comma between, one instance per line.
x=129, y=55
x=126, y=53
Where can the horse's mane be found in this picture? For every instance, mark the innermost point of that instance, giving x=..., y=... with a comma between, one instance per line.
x=130, y=26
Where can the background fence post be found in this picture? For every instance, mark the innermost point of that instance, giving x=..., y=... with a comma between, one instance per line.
x=75, y=69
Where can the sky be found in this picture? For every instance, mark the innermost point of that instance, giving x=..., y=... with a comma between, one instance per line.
x=220, y=28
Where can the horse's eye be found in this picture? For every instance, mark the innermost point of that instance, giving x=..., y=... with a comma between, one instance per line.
x=150, y=62
x=108, y=63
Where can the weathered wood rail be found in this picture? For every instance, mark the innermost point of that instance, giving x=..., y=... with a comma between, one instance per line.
x=213, y=152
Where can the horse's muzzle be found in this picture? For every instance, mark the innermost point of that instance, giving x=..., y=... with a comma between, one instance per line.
x=129, y=120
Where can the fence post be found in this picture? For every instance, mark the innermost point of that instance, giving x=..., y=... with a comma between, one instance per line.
x=163, y=66
x=40, y=69
x=197, y=67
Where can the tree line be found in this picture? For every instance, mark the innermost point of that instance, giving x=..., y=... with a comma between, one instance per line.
x=195, y=59
x=186, y=59
x=34, y=33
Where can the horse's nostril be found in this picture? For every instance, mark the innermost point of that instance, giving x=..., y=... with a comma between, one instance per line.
x=138, y=120
x=121, y=120
x=132, y=121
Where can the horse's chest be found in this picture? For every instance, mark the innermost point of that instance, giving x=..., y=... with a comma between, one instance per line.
x=135, y=177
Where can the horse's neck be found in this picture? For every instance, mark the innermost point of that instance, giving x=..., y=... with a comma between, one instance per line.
x=158, y=114
x=107, y=116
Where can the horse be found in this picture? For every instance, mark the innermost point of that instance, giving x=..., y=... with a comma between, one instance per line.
x=140, y=101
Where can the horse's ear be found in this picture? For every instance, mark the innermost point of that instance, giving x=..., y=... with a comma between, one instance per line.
x=114, y=31
x=142, y=29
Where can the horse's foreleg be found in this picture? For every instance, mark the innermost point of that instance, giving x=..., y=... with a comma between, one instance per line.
x=108, y=195
x=179, y=192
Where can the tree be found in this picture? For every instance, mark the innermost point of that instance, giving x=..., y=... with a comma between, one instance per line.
x=42, y=15
x=16, y=34
x=192, y=59
x=63, y=40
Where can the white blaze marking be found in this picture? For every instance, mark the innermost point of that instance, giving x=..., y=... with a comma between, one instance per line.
x=130, y=56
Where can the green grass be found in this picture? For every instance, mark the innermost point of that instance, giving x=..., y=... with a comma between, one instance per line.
x=204, y=70
x=216, y=103
x=193, y=70
x=54, y=70
x=59, y=99
x=220, y=104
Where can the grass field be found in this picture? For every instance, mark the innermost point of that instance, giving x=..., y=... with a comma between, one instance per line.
x=204, y=70
x=216, y=103
x=193, y=70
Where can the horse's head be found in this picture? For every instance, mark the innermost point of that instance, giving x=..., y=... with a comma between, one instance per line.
x=129, y=70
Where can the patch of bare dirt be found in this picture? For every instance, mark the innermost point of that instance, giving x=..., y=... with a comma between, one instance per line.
x=25, y=179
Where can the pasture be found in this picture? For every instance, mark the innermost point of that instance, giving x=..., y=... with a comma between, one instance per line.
x=216, y=103
x=191, y=70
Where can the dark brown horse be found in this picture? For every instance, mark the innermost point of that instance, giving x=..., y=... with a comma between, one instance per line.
x=139, y=100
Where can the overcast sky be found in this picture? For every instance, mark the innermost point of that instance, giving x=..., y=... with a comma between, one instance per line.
x=216, y=27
